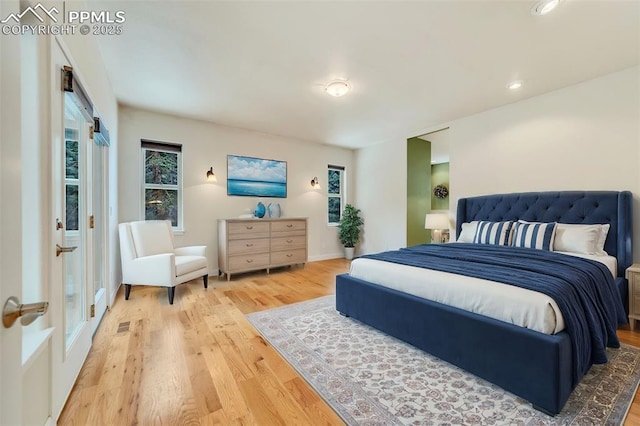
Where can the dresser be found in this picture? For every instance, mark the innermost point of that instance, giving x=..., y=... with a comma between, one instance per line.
x=251, y=244
x=633, y=276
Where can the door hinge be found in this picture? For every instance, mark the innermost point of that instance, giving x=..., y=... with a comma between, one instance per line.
x=90, y=132
x=67, y=79
x=92, y=222
x=93, y=311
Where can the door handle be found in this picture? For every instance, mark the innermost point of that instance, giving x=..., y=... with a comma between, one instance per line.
x=60, y=250
x=27, y=313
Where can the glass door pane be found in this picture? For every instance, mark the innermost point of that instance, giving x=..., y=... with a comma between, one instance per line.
x=76, y=135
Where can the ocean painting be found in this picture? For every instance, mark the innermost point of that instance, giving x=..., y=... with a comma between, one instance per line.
x=256, y=177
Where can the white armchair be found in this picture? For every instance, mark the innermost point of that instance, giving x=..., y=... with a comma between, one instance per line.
x=149, y=258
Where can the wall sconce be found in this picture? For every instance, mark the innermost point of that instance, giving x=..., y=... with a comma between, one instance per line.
x=439, y=224
x=211, y=177
x=314, y=183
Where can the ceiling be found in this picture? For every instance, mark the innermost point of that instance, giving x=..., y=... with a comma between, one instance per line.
x=412, y=65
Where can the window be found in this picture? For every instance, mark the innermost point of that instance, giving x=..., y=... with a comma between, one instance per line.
x=162, y=182
x=71, y=180
x=335, y=193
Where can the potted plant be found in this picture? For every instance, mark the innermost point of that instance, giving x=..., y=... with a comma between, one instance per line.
x=349, y=229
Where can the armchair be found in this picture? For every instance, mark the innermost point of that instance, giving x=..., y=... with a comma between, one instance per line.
x=149, y=258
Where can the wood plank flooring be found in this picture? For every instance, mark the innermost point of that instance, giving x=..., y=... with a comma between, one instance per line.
x=200, y=362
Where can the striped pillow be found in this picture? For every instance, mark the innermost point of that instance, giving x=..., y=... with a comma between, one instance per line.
x=496, y=233
x=534, y=235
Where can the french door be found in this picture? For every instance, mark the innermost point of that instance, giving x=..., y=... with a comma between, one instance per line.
x=78, y=292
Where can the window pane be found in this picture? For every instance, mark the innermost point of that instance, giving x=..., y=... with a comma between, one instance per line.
x=334, y=182
x=71, y=202
x=71, y=155
x=161, y=204
x=161, y=167
x=334, y=209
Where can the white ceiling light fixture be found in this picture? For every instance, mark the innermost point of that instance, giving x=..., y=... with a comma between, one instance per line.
x=544, y=6
x=515, y=85
x=337, y=88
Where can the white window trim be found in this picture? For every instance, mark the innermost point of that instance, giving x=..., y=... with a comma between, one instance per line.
x=341, y=195
x=177, y=230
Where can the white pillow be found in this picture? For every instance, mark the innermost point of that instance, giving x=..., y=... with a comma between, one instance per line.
x=468, y=232
x=584, y=239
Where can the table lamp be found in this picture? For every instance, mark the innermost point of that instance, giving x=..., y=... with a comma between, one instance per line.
x=437, y=222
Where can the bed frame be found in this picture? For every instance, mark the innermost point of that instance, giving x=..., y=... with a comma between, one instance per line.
x=532, y=365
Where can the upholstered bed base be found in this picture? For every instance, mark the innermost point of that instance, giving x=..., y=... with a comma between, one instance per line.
x=532, y=365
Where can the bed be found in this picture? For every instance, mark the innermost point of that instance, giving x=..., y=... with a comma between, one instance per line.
x=495, y=350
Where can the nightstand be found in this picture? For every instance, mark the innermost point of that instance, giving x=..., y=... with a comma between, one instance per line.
x=633, y=276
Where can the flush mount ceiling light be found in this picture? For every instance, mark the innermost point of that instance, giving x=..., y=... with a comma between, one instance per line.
x=544, y=6
x=337, y=88
x=515, y=85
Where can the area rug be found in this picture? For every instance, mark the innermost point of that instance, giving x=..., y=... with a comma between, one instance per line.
x=370, y=378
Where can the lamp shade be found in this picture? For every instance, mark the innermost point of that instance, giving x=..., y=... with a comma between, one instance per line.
x=436, y=221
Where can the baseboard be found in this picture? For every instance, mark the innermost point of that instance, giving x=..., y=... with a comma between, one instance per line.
x=326, y=257
x=113, y=295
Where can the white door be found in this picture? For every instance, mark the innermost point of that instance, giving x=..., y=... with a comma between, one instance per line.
x=71, y=294
x=97, y=159
x=24, y=351
x=10, y=232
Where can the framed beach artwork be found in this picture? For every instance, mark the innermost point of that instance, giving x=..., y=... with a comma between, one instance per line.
x=256, y=177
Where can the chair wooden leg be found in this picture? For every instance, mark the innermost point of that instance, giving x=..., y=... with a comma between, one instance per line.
x=127, y=291
x=205, y=280
x=172, y=292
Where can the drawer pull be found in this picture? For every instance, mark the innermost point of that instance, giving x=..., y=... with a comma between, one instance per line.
x=289, y=255
x=290, y=225
x=289, y=241
x=249, y=245
x=249, y=260
x=249, y=227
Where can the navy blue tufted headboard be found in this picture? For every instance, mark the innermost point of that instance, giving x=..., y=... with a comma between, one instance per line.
x=587, y=207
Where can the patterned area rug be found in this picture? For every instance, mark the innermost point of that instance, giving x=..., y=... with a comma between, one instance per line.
x=370, y=378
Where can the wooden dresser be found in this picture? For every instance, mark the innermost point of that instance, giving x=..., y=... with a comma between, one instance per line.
x=251, y=244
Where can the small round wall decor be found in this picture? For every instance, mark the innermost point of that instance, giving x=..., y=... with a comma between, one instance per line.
x=440, y=191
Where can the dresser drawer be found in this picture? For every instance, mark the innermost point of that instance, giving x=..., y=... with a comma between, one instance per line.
x=289, y=243
x=248, y=262
x=254, y=245
x=635, y=310
x=634, y=279
x=288, y=257
x=248, y=230
x=288, y=227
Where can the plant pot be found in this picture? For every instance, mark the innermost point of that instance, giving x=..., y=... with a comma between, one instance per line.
x=348, y=252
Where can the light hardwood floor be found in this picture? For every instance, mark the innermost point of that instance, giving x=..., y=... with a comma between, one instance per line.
x=201, y=362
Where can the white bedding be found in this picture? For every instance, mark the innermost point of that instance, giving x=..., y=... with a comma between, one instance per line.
x=500, y=301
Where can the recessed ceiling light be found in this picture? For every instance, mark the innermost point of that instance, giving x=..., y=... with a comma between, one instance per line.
x=544, y=6
x=337, y=88
x=515, y=85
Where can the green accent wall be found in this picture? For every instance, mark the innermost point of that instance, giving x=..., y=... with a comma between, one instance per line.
x=440, y=176
x=418, y=190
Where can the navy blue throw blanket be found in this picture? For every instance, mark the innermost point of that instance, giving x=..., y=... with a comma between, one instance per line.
x=583, y=289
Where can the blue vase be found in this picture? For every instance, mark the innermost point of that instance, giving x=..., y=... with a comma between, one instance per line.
x=260, y=210
x=274, y=210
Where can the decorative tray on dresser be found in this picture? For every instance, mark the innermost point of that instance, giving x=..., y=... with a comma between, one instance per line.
x=251, y=244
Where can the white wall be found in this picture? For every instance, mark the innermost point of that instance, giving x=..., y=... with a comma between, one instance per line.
x=381, y=194
x=582, y=137
x=207, y=144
